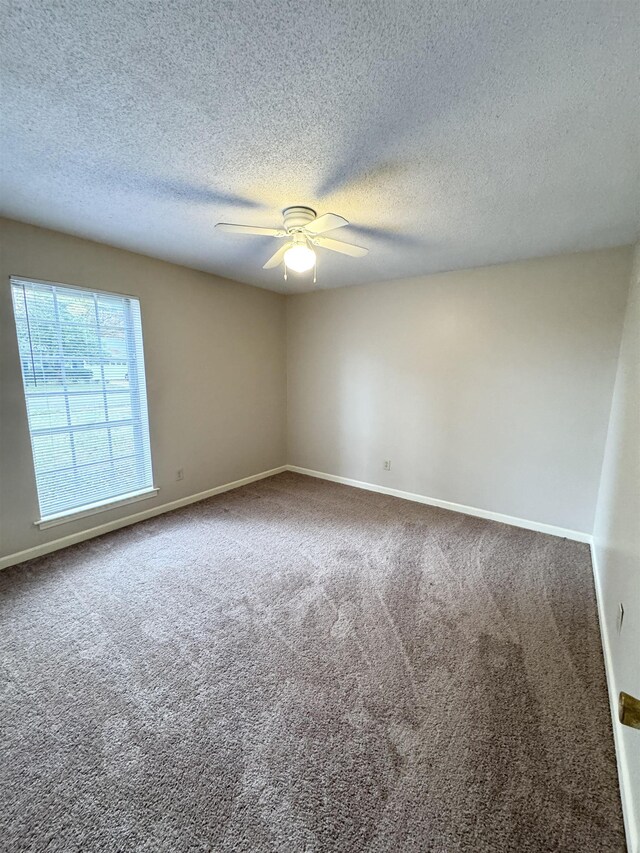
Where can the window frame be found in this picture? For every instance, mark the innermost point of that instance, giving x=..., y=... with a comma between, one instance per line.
x=89, y=509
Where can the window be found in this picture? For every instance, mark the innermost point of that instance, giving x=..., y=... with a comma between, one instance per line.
x=84, y=384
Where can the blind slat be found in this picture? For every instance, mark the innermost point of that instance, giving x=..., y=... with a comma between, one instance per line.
x=83, y=427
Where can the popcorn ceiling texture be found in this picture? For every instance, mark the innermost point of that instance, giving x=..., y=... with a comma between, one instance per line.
x=452, y=134
x=301, y=666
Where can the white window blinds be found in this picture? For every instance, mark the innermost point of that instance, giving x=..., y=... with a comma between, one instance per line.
x=84, y=383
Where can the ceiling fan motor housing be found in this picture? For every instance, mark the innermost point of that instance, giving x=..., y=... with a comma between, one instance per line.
x=297, y=217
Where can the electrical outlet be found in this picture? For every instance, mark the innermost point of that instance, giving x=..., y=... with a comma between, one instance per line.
x=620, y=617
x=180, y=474
x=387, y=464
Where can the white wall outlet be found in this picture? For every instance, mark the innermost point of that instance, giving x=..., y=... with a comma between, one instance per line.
x=387, y=464
x=180, y=474
x=620, y=619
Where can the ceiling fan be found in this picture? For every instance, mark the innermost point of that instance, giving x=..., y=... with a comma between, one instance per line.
x=303, y=230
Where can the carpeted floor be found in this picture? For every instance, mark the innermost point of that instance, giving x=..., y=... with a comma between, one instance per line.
x=302, y=666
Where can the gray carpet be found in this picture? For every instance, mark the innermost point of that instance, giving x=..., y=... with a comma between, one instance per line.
x=301, y=666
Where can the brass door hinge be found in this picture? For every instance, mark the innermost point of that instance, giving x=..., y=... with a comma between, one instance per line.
x=629, y=710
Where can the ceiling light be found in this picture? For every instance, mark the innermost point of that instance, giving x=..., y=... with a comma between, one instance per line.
x=300, y=258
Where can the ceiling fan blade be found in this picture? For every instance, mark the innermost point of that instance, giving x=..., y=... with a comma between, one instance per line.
x=326, y=222
x=339, y=246
x=229, y=228
x=277, y=258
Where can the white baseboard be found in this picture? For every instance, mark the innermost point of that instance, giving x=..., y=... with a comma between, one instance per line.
x=632, y=830
x=565, y=533
x=90, y=533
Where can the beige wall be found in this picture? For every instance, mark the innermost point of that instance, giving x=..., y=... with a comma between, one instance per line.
x=617, y=544
x=488, y=387
x=215, y=364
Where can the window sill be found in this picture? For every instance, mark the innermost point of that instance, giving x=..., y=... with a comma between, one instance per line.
x=92, y=509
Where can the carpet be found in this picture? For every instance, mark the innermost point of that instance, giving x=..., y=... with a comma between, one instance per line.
x=302, y=666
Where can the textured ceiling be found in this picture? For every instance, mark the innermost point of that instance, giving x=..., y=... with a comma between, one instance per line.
x=451, y=134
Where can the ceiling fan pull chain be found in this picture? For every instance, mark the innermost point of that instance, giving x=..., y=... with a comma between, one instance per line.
x=285, y=270
x=315, y=270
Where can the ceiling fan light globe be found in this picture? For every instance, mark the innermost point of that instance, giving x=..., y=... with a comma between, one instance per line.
x=300, y=258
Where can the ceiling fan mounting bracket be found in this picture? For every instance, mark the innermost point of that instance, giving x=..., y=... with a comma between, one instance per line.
x=297, y=217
